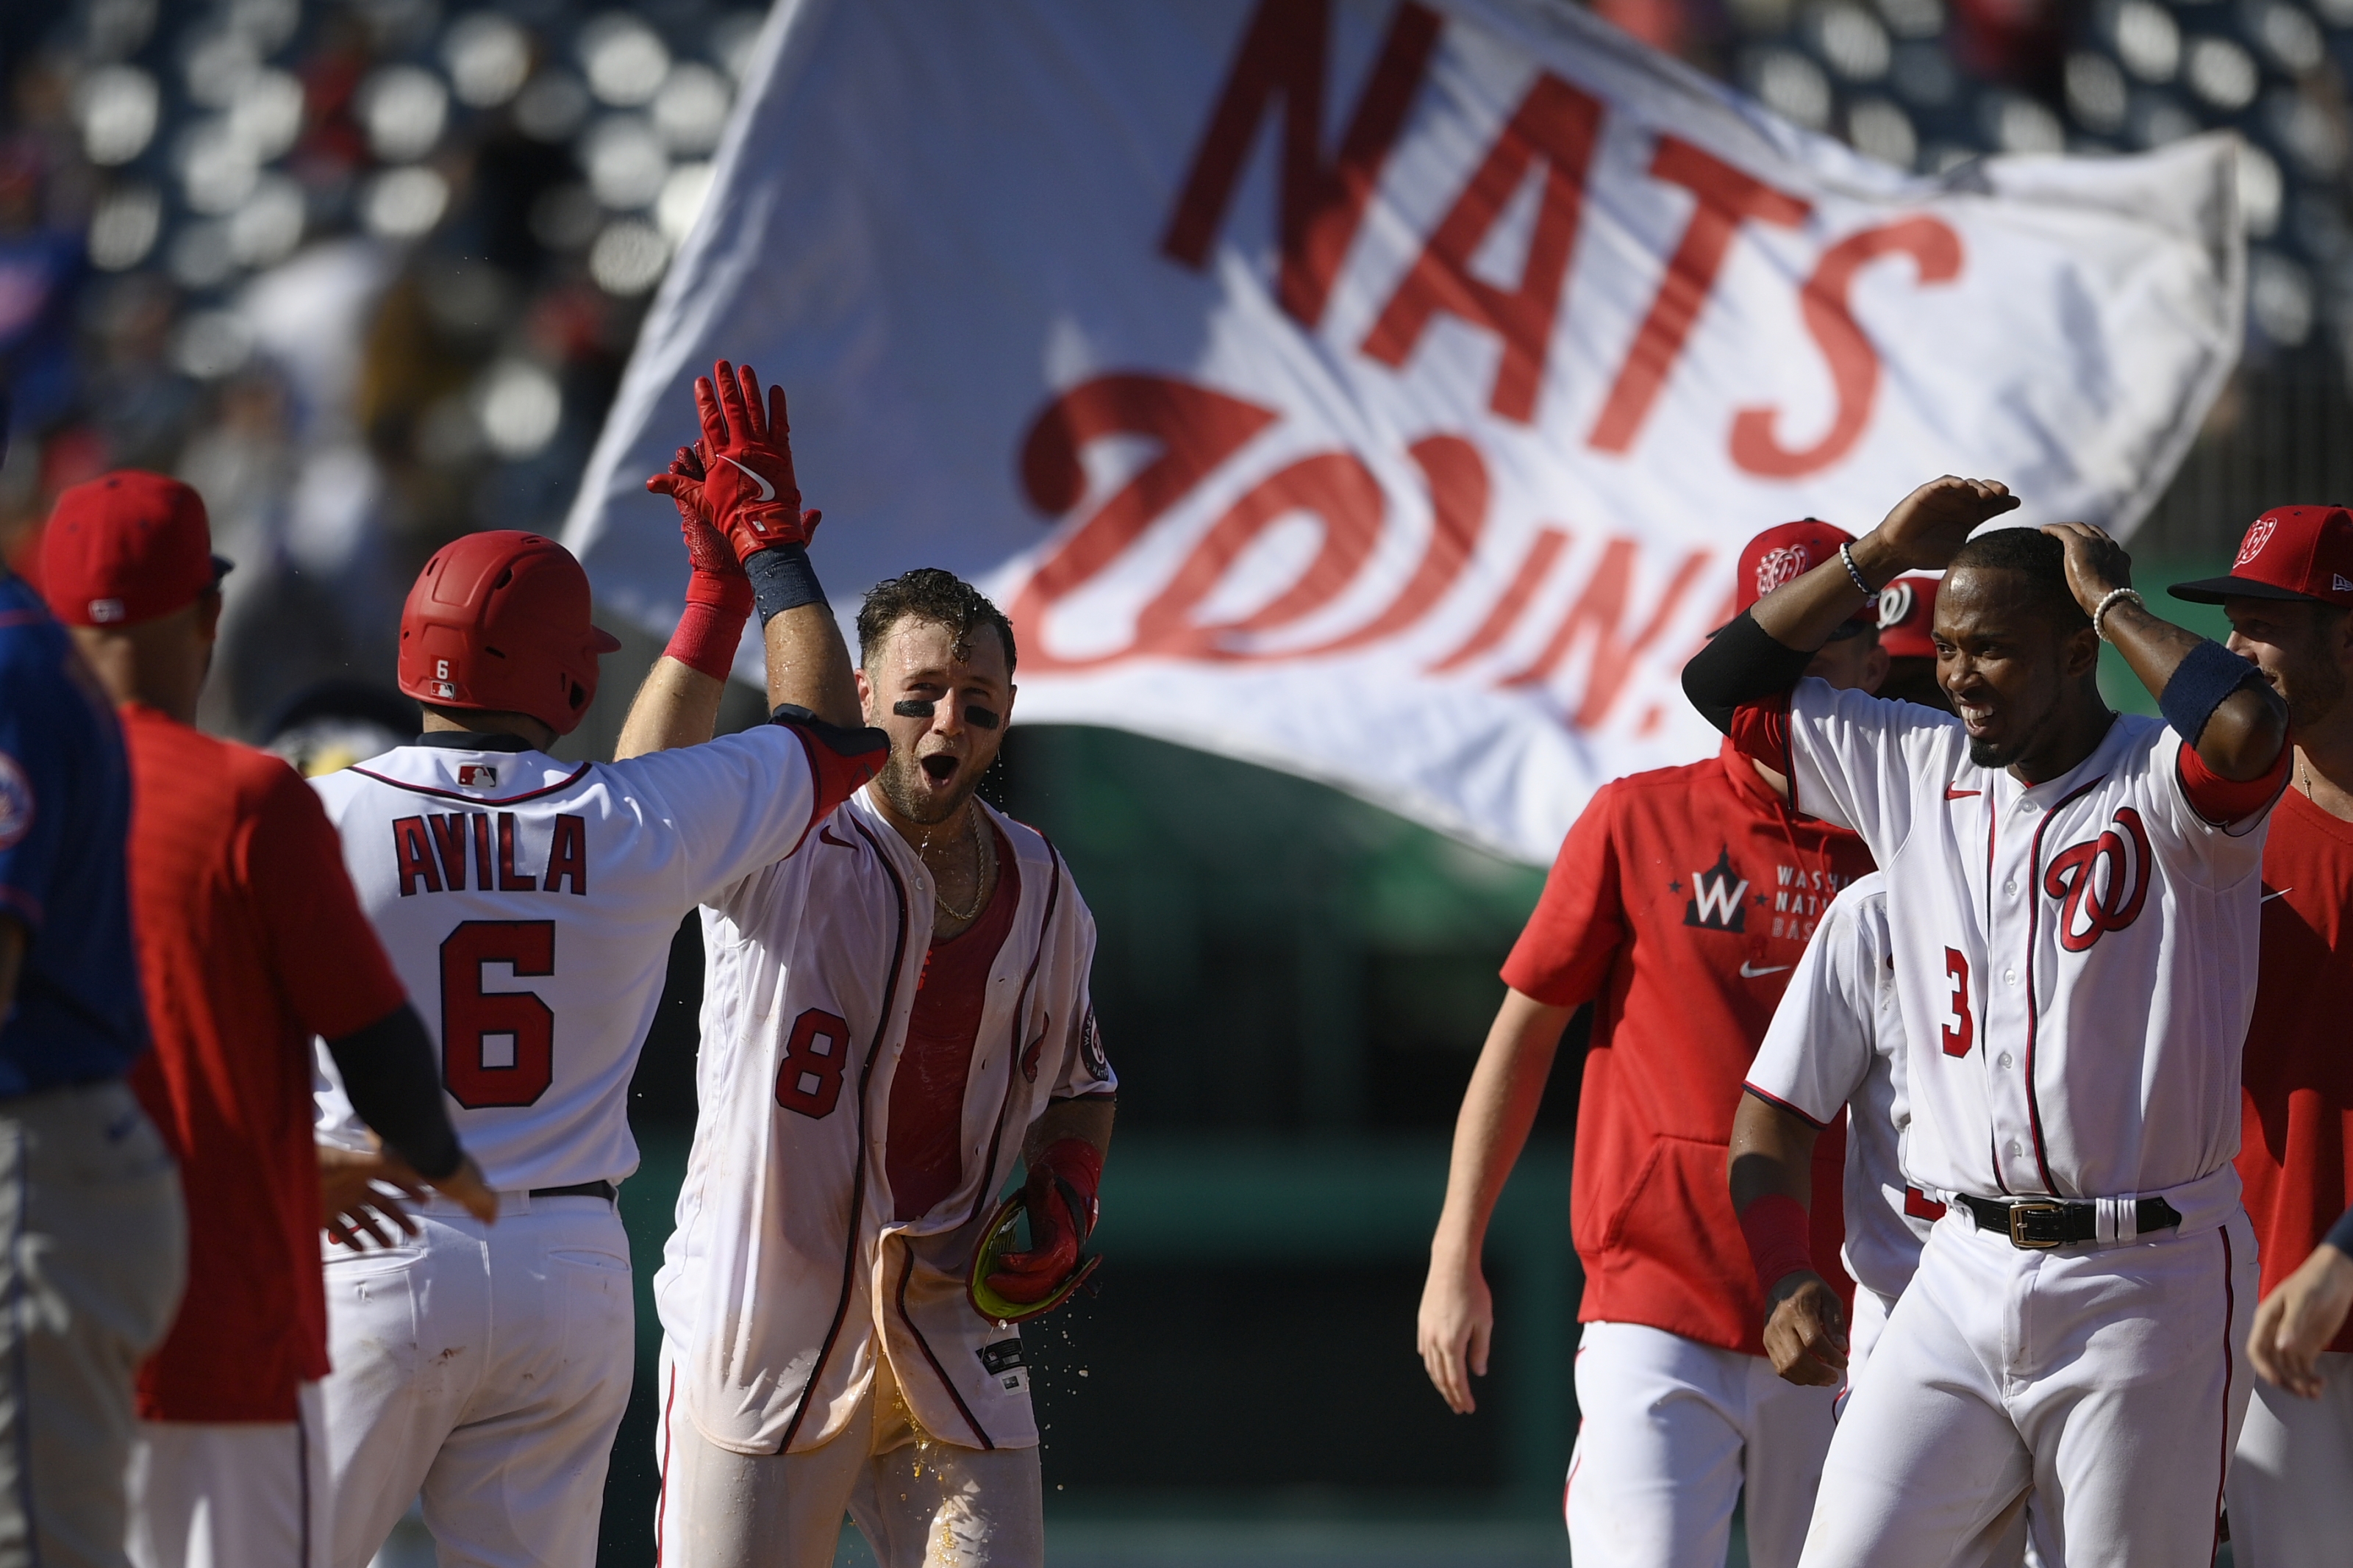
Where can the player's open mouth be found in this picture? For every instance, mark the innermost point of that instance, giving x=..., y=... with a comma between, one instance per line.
x=940, y=767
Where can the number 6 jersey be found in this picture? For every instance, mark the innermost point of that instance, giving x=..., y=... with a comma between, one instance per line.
x=529, y=904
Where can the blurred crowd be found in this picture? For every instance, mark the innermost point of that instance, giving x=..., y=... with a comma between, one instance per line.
x=1929, y=84
x=364, y=271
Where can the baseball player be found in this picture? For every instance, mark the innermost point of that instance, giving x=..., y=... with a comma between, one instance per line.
x=1679, y=904
x=2072, y=904
x=2289, y=596
x=1837, y=1044
x=250, y=942
x=890, y=1019
x=96, y=1235
x=535, y=900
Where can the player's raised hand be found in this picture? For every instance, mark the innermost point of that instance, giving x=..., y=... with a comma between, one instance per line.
x=1931, y=524
x=707, y=551
x=352, y=1203
x=749, y=492
x=1453, y=1328
x=1805, y=1330
x=2296, y=1322
x=2096, y=565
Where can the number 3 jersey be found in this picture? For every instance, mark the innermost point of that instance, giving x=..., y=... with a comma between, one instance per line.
x=2074, y=960
x=794, y=1264
x=528, y=905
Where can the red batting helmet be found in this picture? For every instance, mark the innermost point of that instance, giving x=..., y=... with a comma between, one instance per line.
x=498, y=622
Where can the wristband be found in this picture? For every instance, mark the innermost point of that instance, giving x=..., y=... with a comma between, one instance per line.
x=2199, y=684
x=1775, y=1227
x=782, y=579
x=713, y=624
x=2107, y=600
x=1846, y=559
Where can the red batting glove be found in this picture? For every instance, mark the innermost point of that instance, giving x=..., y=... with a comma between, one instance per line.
x=1062, y=1209
x=749, y=490
x=717, y=593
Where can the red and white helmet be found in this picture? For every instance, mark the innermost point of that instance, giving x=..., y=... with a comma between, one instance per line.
x=498, y=622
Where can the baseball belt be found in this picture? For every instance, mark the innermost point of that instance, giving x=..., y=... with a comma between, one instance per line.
x=604, y=1190
x=2038, y=1224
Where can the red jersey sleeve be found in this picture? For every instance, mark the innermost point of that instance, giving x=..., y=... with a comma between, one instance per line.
x=1563, y=956
x=2222, y=802
x=327, y=957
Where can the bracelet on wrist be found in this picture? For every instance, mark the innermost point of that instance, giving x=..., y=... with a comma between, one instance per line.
x=2107, y=602
x=1846, y=559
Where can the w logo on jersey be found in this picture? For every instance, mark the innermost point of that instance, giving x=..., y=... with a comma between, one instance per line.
x=2100, y=884
x=1719, y=898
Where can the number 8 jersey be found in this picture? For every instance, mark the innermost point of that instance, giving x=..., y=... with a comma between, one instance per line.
x=529, y=904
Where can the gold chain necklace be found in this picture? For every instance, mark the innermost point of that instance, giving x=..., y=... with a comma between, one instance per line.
x=979, y=880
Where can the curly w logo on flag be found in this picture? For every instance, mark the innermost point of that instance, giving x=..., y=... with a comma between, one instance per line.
x=1381, y=391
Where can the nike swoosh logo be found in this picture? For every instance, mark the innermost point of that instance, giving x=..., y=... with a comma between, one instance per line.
x=1952, y=794
x=826, y=834
x=2267, y=898
x=1750, y=972
x=767, y=491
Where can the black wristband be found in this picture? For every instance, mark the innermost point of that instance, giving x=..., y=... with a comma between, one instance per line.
x=389, y=1078
x=782, y=579
x=1741, y=663
x=2200, y=682
x=2340, y=1234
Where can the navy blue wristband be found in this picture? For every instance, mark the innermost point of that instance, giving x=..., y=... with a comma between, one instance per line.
x=2198, y=686
x=2340, y=1234
x=782, y=579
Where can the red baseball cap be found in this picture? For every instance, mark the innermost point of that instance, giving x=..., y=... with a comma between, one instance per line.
x=2289, y=553
x=126, y=547
x=1907, y=607
x=1787, y=552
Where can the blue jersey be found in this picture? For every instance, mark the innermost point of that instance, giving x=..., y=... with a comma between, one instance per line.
x=65, y=819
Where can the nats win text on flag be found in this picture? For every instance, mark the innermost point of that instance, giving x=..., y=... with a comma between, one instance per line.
x=1381, y=391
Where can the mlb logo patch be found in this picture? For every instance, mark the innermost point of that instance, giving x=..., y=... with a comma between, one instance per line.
x=477, y=776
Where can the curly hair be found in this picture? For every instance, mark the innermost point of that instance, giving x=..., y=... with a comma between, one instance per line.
x=928, y=593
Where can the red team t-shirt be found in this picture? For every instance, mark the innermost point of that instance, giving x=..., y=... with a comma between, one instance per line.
x=2295, y=1139
x=925, y=1151
x=250, y=940
x=1679, y=903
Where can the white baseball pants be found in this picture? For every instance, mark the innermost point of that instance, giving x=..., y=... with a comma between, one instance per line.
x=1673, y=1434
x=1864, y=1325
x=919, y=1502
x=2291, y=1481
x=232, y=1494
x=2110, y=1380
x=486, y=1368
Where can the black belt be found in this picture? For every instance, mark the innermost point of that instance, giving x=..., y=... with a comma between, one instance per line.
x=2036, y=1223
x=604, y=1190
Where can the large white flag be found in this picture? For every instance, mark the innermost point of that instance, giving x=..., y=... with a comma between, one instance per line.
x=1381, y=391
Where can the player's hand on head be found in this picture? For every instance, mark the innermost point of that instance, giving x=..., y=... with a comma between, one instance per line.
x=2297, y=1321
x=1805, y=1330
x=1934, y=521
x=749, y=491
x=353, y=1207
x=1453, y=1330
x=2096, y=565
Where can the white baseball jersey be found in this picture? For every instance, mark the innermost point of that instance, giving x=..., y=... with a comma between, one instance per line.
x=1837, y=1042
x=2076, y=961
x=788, y=1272
x=529, y=906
